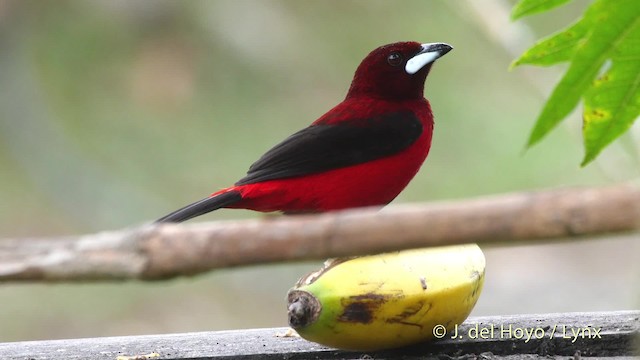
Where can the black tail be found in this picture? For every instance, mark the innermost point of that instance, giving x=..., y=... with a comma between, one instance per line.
x=202, y=207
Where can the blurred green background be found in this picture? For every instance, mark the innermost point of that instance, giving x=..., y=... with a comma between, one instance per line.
x=113, y=113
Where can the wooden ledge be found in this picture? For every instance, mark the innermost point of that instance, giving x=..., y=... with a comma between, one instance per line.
x=596, y=334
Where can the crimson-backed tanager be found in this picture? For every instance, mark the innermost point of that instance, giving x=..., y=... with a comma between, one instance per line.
x=363, y=152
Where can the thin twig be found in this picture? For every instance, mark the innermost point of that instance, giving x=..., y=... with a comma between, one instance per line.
x=169, y=250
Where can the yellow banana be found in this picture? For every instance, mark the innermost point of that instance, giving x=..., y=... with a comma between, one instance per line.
x=387, y=300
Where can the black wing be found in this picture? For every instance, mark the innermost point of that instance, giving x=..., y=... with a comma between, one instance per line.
x=321, y=147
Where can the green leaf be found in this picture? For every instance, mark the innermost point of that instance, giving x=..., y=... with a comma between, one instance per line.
x=529, y=7
x=612, y=103
x=557, y=48
x=607, y=34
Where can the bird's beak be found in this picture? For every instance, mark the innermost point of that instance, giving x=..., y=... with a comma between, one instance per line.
x=428, y=54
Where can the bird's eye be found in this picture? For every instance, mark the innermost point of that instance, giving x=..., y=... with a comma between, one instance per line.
x=394, y=59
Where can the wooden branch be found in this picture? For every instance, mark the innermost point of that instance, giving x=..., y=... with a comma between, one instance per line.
x=162, y=251
x=608, y=334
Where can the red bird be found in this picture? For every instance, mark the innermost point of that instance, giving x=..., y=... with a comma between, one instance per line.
x=363, y=152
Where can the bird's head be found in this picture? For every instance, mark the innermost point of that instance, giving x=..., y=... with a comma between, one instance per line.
x=396, y=71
